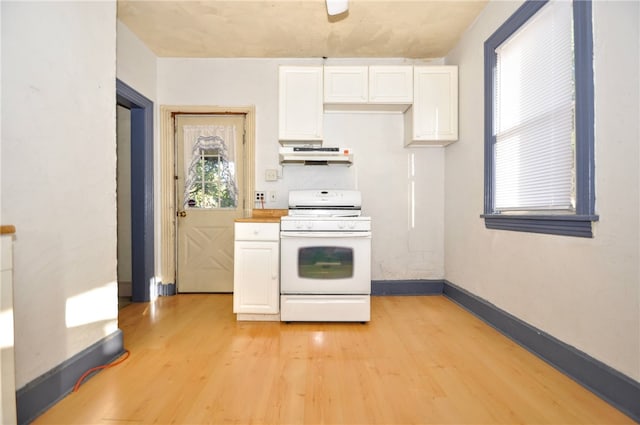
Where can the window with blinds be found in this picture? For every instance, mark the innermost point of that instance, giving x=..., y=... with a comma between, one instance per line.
x=534, y=115
x=539, y=165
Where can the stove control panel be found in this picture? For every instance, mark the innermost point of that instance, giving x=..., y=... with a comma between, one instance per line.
x=325, y=224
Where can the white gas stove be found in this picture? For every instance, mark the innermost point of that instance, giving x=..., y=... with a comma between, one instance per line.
x=325, y=257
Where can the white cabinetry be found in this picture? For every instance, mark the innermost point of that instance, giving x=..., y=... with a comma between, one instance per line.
x=366, y=88
x=7, y=368
x=428, y=95
x=433, y=118
x=256, y=282
x=391, y=84
x=300, y=103
x=346, y=84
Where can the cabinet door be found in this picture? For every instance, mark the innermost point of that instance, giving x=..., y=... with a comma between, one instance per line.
x=256, y=277
x=300, y=103
x=7, y=356
x=390, y=84
x=345, y=84
x=435, y=106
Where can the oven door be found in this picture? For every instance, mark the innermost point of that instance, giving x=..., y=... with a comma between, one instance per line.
x=325, y=262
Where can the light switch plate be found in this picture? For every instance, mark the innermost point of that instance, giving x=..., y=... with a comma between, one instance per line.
x=271, y=175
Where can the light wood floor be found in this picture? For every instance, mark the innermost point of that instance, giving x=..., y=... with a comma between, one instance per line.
x=421, y=360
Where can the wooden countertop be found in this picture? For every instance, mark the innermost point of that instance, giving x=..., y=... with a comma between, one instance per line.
x=263, y=216
x=9, y=229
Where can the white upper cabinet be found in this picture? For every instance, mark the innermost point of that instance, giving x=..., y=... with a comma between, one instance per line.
x=300, y=103
x=365, y=88
x=346, y=84
x=391, y=84
x=428, y=95
x=433, y=118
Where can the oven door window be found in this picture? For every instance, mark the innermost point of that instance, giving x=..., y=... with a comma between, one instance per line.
x=325, y=262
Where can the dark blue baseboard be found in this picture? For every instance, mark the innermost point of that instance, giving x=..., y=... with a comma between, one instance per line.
x=167, y=289
x=43, y=392
x=407, y=287
x=619, y=390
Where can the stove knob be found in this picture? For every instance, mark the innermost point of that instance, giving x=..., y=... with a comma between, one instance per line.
x=352, y=225
x=309, y=225
x=298, y=225
x=341, y=225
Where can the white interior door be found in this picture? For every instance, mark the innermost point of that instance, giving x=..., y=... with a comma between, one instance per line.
x=210, y=193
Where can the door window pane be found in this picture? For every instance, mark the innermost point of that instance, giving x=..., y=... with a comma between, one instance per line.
x=211, y=178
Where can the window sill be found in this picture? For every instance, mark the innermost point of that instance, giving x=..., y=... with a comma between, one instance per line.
x=565, y=225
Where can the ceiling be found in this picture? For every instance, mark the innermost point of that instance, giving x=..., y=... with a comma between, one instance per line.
x=420, y=29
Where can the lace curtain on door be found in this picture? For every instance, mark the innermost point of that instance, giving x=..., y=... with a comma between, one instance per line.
x=209, y=164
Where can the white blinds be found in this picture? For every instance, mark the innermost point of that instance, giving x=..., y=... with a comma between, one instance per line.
x=534, y=114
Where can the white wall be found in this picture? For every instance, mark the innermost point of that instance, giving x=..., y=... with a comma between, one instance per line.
x=585, y=292
x=381, y=171
x=58, y=176
x=136, y=64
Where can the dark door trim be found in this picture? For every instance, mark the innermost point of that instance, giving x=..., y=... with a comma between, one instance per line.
x=142, y=225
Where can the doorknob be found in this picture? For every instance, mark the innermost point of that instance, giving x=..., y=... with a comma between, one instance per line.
x=182, y=213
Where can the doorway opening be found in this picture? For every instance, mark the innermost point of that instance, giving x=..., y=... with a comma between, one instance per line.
x=123, y=197
x=140, y=116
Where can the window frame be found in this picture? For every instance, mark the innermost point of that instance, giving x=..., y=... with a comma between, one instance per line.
x=577, y=224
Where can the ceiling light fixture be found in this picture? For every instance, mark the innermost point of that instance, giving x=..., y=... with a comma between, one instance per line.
x=336, y=7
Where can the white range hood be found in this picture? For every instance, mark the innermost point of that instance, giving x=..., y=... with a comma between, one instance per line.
x=314, y=155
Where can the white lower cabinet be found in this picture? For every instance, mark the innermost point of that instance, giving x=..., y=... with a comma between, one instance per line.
x=256, y=282
x=7, y=367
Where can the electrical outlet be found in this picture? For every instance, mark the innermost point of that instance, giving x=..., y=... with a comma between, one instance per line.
x=259, y=197
x=273, y=196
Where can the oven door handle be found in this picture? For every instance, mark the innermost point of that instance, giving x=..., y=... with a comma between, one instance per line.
x=318, y=235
